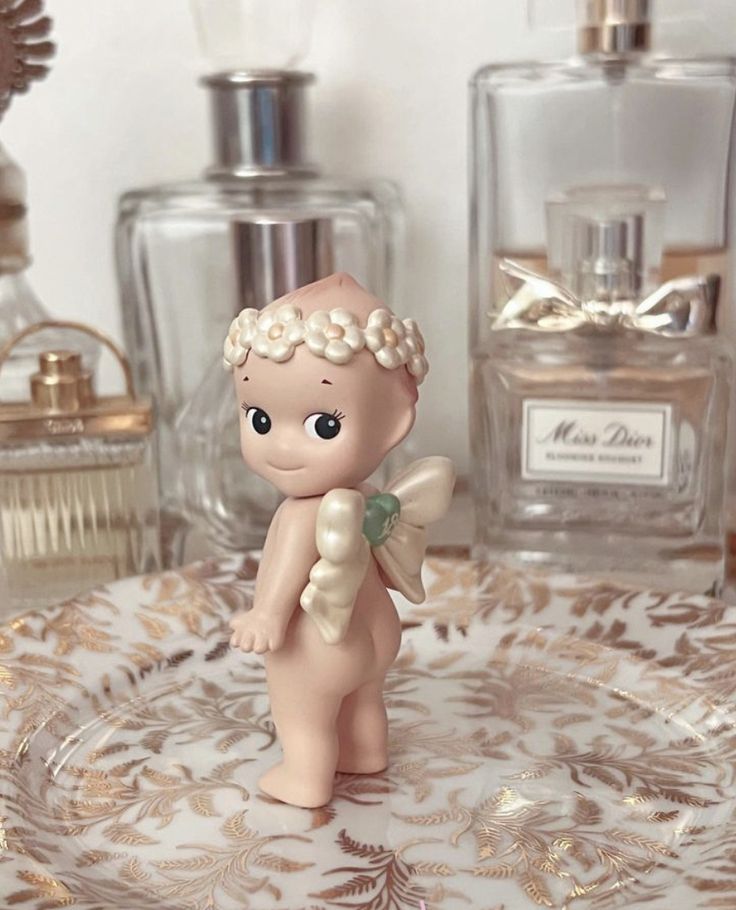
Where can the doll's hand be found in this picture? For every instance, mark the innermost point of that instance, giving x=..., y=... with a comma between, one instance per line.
x=257, y=632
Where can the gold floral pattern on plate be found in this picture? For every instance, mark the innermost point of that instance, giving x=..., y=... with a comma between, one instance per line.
x=555, y=742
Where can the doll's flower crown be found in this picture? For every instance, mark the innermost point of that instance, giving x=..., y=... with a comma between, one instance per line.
x=333, y=334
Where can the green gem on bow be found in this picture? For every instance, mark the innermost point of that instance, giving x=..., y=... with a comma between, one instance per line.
x=381, y=514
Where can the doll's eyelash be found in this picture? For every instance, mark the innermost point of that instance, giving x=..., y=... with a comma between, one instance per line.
x=337, y=414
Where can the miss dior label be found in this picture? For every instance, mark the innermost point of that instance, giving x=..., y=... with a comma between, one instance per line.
x=615, y=442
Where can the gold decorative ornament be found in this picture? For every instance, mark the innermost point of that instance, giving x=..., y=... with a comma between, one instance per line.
x=23, y=48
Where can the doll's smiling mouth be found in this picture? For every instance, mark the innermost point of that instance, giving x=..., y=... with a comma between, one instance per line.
x=284, y=470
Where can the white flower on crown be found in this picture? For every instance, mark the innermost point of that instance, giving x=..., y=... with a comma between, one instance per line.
x=417, y=364
x=239, y=338
x=278, y=332
x=385, y=336
x=334, y=335
x=246, y=324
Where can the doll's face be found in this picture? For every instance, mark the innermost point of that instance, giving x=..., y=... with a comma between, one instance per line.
x=308, y=426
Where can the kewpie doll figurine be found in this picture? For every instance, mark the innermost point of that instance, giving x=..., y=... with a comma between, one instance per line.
x=327, y=382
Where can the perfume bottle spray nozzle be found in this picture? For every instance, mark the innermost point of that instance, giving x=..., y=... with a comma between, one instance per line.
x=61, y=385
x=614, y=27
x=609, y=258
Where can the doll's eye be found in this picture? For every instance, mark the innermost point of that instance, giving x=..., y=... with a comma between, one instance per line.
x=323, y=426
x=259, y=420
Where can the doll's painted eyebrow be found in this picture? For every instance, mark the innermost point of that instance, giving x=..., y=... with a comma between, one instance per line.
x=326, y=382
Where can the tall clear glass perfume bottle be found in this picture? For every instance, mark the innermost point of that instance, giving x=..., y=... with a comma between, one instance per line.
x=191, y=255
x=617, y=116
x=600, y=443
x=78, y=487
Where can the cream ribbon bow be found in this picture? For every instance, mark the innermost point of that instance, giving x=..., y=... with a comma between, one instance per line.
x=682, y=307
x=424, y=490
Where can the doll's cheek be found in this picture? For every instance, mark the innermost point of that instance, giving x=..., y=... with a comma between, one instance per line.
x=252, y=449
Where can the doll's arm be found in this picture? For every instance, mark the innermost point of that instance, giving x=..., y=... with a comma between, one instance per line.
x=287, y=561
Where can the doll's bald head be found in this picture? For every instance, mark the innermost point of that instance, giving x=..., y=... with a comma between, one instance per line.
x=337, y=291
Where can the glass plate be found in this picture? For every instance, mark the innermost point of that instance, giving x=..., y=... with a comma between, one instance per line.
x=555, y=742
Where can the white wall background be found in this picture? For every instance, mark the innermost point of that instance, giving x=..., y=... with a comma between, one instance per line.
x=121, y=108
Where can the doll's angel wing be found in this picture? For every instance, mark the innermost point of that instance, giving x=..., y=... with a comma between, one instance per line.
x=424, y=490
x=344, y=552
x=419, y=495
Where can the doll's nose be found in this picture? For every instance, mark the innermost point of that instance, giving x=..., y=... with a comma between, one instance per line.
x=286, y=449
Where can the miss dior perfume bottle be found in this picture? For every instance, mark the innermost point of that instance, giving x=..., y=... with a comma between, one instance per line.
x=601, y=406
x=191, y=255
x=617, y=116
x=78, y=488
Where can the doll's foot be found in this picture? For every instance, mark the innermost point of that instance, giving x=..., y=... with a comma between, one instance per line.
x=296, y=789
x=362, y=762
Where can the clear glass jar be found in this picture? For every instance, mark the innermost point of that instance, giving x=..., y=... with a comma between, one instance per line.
x=192, y=255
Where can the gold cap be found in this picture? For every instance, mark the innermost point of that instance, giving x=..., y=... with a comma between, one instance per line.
x=62, y=385
x=63, y=401
x=615, y=27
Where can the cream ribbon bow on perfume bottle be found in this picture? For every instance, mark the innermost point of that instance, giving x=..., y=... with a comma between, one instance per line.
x=682, y=307
x=391, y=525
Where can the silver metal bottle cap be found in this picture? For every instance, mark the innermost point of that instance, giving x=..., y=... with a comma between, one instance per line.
x=615, y=27
x=277, y=255
x=258, y=120
x=610, y=258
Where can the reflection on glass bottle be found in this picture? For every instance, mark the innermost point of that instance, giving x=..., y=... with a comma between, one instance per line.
x=78, y=488
x=601, y=408
x=228, y=505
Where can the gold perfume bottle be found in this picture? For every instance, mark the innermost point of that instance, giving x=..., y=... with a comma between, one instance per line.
x=78, y=491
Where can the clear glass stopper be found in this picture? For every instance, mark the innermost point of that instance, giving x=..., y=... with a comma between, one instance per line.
x=606, y=242
x=254, y=34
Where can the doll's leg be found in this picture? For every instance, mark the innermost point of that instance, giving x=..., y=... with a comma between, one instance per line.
x=362, y=728
x=306, y=723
